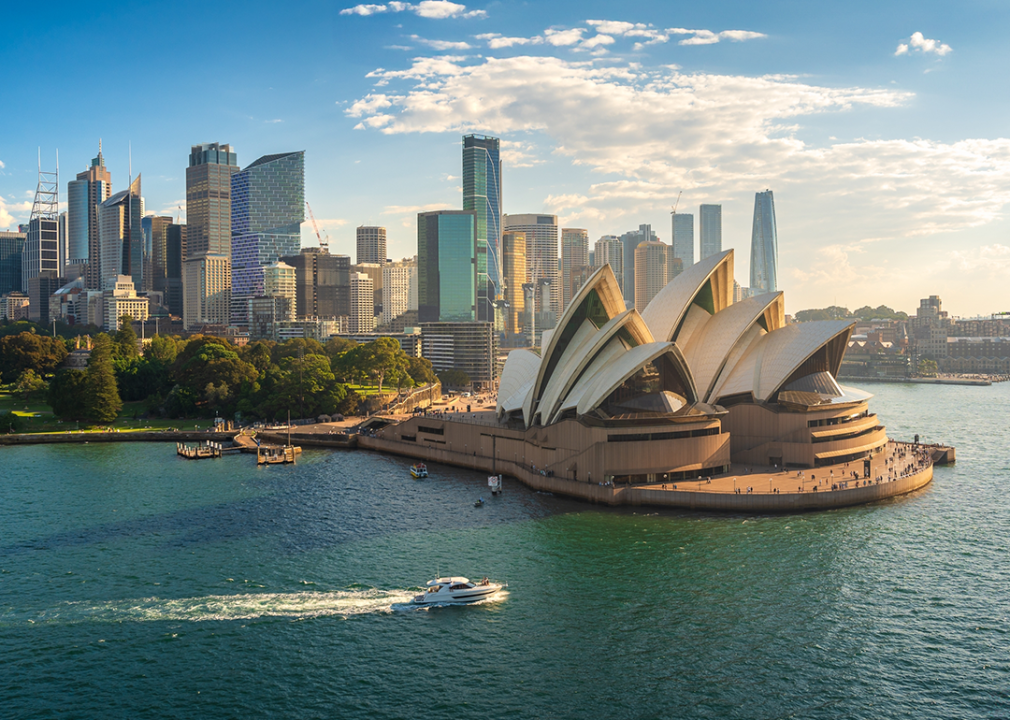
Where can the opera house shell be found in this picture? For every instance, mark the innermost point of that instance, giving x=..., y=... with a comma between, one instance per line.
x=684, y=388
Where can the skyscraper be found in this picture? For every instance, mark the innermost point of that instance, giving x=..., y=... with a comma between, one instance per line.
x=12, y=245
x=482, y=193
x=362, y=303
x=631, y=240
x=280, y=282
x=322, y=283
x=371, y=244
x=574, y=255
x=710, y=229
x=541, y=263
x=175, y=256
x=156, y=251
x=121, y=237
x=208, y=199
x=651, y=271
x=206, y=282
x=42, y=243
x=513, y=255
x=91, y=188
x=764, y=245
x=267, y=210
x=447, y=266
x=399, y=285
x=683, y=238
x=609, y=250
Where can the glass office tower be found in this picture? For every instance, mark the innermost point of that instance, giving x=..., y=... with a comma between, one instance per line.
x=764, y=245
x=91, y=188
x=267, y=210
x=683, y=238
x=208, y=199
x=710, y=230
x=447, y=266
x=482, y=194
x=121, y=236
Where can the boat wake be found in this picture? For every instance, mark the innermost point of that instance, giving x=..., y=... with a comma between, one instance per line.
x=247, y=606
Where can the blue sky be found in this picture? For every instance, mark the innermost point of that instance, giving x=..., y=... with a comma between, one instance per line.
x=891, y=167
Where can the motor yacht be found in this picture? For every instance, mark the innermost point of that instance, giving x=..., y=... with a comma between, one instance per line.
x=455, y=591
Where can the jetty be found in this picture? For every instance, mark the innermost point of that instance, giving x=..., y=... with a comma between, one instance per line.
x=206, y=449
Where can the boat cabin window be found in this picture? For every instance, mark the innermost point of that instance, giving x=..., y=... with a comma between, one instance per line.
x=460, y=586
x=434, y=588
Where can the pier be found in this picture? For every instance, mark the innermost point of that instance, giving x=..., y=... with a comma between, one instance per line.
x=206, y=449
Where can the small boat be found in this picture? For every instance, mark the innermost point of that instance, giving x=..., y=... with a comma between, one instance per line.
x=494, y=482
x=419, y=471
x=456, y=591
x=479, y=503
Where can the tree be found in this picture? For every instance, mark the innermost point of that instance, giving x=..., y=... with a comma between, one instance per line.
x=421, y=371
x=103, y=396
x=162, y=348
x=29, y=350
x=68, y=395
x=29, y=382
x=454, y=378
x=928, y=368
x=383, y=357
x=833, y=312
x=125, y=339
x=259, y=355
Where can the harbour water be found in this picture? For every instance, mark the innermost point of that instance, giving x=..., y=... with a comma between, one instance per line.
x=135, y=584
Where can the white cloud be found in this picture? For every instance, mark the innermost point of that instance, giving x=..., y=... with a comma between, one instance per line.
x=2, y=166
x=707, y=37
x=441, y=44
x=563, y=38
x=433, y=9
x=496, y=41
x=596, y=41
x=924, y=45
x=413, y=209
x=652, y=132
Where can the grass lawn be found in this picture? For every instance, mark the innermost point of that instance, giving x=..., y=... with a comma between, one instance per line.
x=46, y=423
x=366, y=390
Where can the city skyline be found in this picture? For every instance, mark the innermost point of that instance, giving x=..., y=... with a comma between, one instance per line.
x=895, y=124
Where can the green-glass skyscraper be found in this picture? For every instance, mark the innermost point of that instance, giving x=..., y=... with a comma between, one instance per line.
x=482, y=194
x=447, y=273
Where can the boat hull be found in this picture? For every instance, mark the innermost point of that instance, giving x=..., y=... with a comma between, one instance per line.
x=461, y=597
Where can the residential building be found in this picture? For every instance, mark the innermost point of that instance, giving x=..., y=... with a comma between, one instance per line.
x=371, y=244
x=541, y=262
x=683, y=238
x=399, y=288
x=42, y=249
x=206, y=290
x=12, y=246
x=651, y=270
x=362, y=317
x=280, y=282
x=466, y=346
x=574, y=254
x=121, y=236
x=175, y=255
x=322, y=283
x=374, y=272
x=120, y=298
x=84, y=196
x=267, y=210
x=631, y=240
x=14, y=305
x=710, y=229
x=513, y=253
x=764, y=245
x=609, y=250
x=447, y=266
x=482, y=193
x=208, y=199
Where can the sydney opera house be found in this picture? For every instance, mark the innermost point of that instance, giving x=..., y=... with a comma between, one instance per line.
x=688, y=386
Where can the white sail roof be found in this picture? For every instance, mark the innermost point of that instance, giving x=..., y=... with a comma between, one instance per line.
x=665, y=311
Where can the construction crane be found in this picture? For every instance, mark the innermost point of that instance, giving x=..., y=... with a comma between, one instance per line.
x=324, y=240
x=676, y=204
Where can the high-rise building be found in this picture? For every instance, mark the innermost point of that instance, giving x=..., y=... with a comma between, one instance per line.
x=683, y=238
x=609, y=250
x=175, y=256
x=362, y=317
x=206, y=290
x=121, y=236
x=120, y=298
x=574, y=254
x=373, y=271
x=651, y=271
x=710, y=229
x=399, y=288
x=447, y=266
x=84, y=195
x=267, y=210
x=513, y=254
x=541, y=263
x=280, y=281
x=155, y=229
x=322, y=283
x=371, y=244
x=467, y=346
x=482, y=193
x=12, y=245
x=764, y=245
x=208, y=199
x=631, y=240
x=42, y=242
